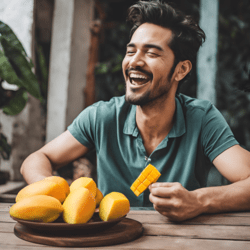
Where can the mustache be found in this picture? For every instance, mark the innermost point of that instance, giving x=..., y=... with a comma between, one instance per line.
x=138, y=69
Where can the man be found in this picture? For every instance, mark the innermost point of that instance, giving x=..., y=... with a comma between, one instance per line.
x=182, y=137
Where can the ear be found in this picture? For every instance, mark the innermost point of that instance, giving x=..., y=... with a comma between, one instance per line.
x=182, y=69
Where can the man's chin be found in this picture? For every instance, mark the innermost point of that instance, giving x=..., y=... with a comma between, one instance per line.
x=137, y=100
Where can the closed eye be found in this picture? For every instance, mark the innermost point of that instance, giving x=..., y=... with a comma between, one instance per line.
x=152, y=54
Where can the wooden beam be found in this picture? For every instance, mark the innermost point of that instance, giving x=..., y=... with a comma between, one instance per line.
x=68, y=65
x=207, y=61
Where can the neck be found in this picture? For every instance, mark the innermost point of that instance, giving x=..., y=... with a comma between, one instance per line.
x=155, y=121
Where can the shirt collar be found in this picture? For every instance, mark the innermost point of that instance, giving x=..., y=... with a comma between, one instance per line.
x=130, y=127
x=178, y=129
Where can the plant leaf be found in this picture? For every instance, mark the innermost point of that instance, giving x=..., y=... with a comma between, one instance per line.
x=17, y=103
x=8, y=33
x=5, y=148
x=22, y=68
x=7, y=73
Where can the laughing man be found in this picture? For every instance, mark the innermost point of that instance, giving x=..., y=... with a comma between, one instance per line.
x=153, y=123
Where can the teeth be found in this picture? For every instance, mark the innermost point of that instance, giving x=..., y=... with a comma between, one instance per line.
x=133, y=75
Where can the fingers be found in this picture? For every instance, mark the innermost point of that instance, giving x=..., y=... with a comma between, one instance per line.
x=165, y=189
x=171, y=214
x=164, y=184
x=161, y=203
x=168, y=207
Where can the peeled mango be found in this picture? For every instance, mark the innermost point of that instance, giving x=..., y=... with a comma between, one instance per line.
x=149, y=175
x=113, y=206
x=37, y=208
x=86, y=182
x=79, y=206
x=45, y=187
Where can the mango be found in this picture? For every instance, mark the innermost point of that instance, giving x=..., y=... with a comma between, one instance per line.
x=60, y=181
x=45, y=187
x=86, y=182
x=113, y=206
x=98, y=197
x=37, y=208
x=79, y=206
x=149, y=175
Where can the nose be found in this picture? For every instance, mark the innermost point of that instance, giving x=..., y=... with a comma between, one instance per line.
x=137, y=60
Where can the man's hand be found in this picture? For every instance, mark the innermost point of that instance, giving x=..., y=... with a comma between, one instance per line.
x=174, y=201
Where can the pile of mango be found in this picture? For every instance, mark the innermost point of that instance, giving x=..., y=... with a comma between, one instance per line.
x=52, y=197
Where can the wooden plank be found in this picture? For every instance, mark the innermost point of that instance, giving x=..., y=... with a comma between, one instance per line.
x=190, y=231
x=5, y=206
x=7, y=197
x=10, y=241
x=5, y=217
x=235, y=214
x=202, y=219
x=159, y=219
x=7, y=227
x=11, y=186
x=176, y=243
x=199, y=231
x=154, y=217
x=238, y=214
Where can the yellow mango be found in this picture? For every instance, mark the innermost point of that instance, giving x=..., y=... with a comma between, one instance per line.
x=60, y=181
x=47, y=187
x=37, y=208
x=79, y=206
x=149, y=175
x=86, y=182
x=98, y=197
x=113, y=206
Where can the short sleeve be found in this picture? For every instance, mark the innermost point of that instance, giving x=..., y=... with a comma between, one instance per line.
x=83, y=127
x=216, y=134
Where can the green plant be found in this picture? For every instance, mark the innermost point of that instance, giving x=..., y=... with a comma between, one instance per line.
x=234, y=67
x=15, y=68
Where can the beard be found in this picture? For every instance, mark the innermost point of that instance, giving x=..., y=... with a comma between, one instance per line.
x=140, y=101
x=149, y=97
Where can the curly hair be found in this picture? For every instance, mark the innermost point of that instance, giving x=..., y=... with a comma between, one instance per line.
x=187, y=36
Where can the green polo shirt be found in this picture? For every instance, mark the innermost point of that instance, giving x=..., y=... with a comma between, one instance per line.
x=199, y=134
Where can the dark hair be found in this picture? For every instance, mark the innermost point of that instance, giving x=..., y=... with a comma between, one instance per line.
x=187, y=36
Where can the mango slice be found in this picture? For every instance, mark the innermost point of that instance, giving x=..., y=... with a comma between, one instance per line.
x=86, y=182
x=149, y=175
x=60, y=181
x=44, y=187
x=113, y=206
x=98, y=197
x=37, y=208
x=79, y=206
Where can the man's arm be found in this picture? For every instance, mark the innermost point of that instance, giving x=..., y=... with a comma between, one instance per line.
x=57, y=153
x=177, y=203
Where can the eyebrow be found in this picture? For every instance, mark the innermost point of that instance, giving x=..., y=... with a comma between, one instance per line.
x=149, y=46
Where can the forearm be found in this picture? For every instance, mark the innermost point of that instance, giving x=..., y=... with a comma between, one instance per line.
x=233, y=197
x=36, y=167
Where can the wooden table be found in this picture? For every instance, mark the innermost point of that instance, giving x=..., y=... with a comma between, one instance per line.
x=218, y=231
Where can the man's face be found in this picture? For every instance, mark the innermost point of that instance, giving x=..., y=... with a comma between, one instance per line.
x=147, y=64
